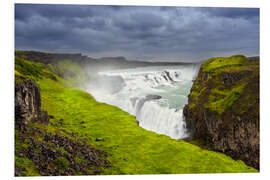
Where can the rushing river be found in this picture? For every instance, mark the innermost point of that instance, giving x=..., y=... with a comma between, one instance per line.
x=156, y=95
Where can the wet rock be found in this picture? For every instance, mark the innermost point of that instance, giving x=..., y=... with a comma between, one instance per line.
x=168, y=75
x=152, y=97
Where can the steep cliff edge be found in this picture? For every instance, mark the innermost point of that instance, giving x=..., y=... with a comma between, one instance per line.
x=223, y=107
x=41, y=150
x=28, y=103
x=83, y=136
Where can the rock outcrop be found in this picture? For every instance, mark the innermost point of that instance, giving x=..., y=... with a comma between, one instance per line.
x=59, y=155
x=28, y=103
x=40, y=152
x=223, y=107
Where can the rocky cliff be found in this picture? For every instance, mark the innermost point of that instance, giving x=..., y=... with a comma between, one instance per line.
x=223, y=107
x=38, y=151
x=28, y=103
x=83, y=136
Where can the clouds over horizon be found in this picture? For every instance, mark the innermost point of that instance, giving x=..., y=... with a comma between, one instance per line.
x=138, y=32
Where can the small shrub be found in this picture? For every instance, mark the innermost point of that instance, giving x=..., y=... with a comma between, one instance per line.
x=61, y=162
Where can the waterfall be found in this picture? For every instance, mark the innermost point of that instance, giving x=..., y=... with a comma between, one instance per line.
x=155, y=95
x=162, y=120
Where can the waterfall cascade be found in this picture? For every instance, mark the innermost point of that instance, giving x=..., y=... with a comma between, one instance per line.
x=155, y=95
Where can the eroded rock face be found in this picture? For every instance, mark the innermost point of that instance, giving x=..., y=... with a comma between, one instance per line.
x=28, y=103
x=223, y=111
x=50, y=154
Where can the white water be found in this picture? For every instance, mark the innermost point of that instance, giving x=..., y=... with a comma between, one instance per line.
x=155, y=95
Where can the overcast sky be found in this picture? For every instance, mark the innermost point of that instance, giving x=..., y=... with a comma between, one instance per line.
x=138, y=32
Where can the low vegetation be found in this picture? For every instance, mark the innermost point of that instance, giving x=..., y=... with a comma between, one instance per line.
x=217, y=73
x=130, y=149
x=216, y=63
x=223, y=107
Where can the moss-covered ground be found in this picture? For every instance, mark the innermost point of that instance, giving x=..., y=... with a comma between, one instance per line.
x=222, y=97
x=217, y=63
x=131, y=149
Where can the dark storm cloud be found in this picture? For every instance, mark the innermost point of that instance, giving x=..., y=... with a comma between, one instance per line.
x=235, y=12
x=140, y=20
x=150, y=33
x=51, y=11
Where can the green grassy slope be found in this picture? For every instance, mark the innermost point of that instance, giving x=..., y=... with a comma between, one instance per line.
x=131, y=149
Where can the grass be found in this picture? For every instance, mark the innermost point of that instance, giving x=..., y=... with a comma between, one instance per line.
x=197, y=91
x=214, y=64
x=221, y=97
x=61, y=162
x=74, y=68
x=28, y=165
x=32, y=70
x=222, y=104
x=131, y=149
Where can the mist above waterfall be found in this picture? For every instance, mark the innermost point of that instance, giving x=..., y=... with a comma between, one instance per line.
x=156, y=95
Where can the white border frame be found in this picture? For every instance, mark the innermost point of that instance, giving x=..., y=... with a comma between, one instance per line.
x=7, y=82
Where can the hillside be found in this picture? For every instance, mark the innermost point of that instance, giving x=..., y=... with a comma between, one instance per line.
x=61, y=130
x=223, y=107
x=89, y=63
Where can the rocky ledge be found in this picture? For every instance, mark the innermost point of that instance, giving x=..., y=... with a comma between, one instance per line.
x=28, y=103
x=223, y=107
x=41, y=152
